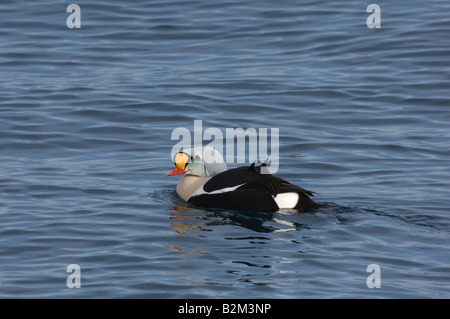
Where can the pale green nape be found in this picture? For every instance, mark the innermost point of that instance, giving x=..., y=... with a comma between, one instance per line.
x=196, y=168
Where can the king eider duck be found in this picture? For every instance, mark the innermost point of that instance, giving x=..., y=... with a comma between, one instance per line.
x=207, y=183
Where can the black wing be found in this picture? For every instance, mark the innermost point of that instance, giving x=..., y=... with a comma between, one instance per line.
x=256, y=189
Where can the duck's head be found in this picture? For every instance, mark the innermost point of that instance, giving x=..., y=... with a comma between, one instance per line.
x=186, y=164
x=202, y=162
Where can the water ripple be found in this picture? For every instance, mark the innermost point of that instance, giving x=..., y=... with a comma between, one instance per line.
x=86, y=117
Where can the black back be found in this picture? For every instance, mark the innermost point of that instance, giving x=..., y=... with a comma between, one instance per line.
x=256, y=192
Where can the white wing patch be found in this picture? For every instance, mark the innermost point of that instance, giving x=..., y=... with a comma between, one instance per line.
x=287, y=200
x=201, y=191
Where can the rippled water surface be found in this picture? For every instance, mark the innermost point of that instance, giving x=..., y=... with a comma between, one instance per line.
x=86, y=117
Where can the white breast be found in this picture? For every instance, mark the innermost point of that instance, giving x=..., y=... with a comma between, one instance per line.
x=190, y=184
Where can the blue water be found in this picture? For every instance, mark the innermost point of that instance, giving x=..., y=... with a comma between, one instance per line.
x=86, y=117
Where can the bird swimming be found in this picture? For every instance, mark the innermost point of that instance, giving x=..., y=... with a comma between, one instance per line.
x=207, y=183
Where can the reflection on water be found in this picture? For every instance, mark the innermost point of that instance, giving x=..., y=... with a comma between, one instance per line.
x=193, y=221
x=187, y=219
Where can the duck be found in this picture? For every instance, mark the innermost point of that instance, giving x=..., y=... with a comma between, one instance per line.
x=207, y=183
